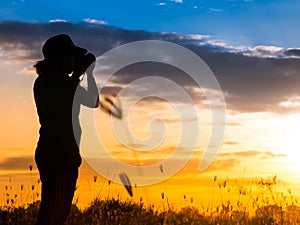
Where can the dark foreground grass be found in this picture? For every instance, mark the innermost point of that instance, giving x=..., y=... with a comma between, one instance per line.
x=253, y=202
x=116, y=211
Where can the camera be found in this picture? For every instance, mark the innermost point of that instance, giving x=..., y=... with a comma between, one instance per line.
x=82, y=63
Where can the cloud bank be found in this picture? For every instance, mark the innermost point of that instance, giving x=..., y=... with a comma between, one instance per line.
x=259, y=79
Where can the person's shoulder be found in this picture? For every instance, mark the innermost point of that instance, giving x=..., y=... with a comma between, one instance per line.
x=37, y=81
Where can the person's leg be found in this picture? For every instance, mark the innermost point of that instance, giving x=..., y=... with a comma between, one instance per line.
x=56, y=199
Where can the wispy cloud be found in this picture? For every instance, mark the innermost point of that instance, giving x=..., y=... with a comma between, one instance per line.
x=94, y=21
x=57, y=21
x=28, y=70
x=217, y=10
x=177, y=1
x=161, y=4
x=231, y=143
x=265, y=52
x=291, y=102
x=252, y=153
x=269, y=154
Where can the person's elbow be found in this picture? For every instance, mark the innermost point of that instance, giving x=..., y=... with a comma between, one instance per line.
x=97, y=103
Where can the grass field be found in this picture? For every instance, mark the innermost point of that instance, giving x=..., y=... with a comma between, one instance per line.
x=115, y=211
x=240, y=204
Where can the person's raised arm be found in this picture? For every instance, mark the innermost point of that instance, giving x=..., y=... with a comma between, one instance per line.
x=89, y=97
x=92, y=91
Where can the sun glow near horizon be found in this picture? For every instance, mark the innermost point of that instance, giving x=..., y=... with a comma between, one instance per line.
x=289, y=142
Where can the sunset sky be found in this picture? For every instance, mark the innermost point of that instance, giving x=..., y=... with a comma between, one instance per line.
x=251, y=46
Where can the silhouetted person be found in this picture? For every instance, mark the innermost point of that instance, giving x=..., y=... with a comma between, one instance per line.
x=57, y=154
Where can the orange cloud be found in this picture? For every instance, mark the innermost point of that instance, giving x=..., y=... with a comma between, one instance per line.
x=251, y=153
x=17, y=163
x=231, y=143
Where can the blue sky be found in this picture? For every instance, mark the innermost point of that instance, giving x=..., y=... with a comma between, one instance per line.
x=239, y=22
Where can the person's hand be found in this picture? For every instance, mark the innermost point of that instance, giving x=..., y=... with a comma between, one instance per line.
x=84, y=64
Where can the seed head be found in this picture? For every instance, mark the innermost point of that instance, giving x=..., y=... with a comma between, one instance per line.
x=126, y=182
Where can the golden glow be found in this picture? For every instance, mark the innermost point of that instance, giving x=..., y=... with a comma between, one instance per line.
x=259, y=143
x=290, y=142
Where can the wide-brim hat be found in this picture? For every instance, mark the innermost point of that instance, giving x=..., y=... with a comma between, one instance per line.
x=60, y=45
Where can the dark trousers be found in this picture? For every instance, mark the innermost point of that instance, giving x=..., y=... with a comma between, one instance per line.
x=56, y=199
